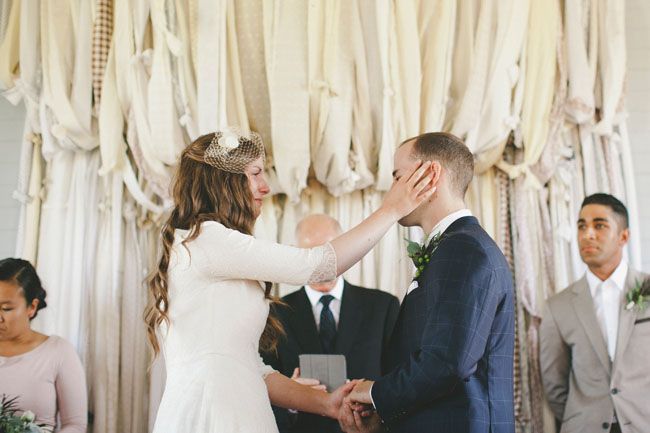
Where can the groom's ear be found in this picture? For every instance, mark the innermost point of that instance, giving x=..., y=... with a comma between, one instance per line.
x=436, y=171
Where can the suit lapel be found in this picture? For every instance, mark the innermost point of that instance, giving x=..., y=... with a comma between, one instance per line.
x=350, y=320
x=301, y=319
x=626, y=318
x=584, y=307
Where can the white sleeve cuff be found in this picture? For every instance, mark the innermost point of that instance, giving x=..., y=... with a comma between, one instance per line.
x=372, y=399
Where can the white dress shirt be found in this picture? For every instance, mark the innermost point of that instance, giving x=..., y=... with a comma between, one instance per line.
x=608, y=296
x=442, y=225
x=335, y=306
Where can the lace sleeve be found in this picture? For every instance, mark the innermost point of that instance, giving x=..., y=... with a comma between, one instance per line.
x=264, y=369
x=326, y=269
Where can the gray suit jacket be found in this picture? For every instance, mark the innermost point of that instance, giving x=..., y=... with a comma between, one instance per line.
x=583, y=387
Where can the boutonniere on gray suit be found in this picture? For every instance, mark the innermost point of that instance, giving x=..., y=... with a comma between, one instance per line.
x=638, y=297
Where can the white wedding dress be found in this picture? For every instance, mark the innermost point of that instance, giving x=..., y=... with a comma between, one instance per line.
x=217, y=311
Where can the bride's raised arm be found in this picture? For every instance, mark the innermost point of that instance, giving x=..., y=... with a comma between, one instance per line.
x=232, y=254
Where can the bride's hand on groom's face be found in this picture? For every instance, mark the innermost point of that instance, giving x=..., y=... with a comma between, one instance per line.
x=410, y=189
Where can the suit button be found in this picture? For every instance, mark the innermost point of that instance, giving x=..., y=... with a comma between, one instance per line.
x=605, y=425
x=614, y=391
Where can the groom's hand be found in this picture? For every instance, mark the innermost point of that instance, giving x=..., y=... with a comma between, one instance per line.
x=361, y=392
x=351, y=420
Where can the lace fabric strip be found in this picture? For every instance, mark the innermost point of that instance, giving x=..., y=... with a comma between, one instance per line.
x=326, y=269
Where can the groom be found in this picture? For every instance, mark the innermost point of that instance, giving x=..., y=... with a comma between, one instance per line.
x=449, y=364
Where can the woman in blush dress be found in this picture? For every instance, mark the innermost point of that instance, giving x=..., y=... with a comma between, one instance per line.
x=211, y=292
x=43, y=373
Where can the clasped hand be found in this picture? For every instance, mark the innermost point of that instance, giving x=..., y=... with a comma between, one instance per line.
x=356, y=414
x=351, y=404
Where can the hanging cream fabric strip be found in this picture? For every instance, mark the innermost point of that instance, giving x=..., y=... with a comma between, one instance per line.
x=374, y=79
x=469, y=105
x=211, y=65
x=28, y=194
x=167, y=139
x=581, y=28
x=285, y=35
x=104, y=295
x=235, y=104
x=437, y=27
x=186, y=74
x=497, y=119
x=9, y=47
x=134, y=353
x=463, y=57
x=408, y=67
x=138, y=88
x=360, y=158
x=622, y=140
x=111, y=118
x=27, y=88
x=339, y=98
x=5, y=11
x=539, y=87
x=390, y=130
x=612, y=60
x=33, y=208
x=67, y=81
x=249, y=20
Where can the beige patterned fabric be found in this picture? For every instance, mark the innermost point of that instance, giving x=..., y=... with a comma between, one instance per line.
x=102, y=31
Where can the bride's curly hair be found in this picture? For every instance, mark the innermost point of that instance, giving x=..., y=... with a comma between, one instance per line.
x=201, y=193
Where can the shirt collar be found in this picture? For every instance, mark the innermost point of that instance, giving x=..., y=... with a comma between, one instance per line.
x=618, y=278
x=314, y=295
x=444, y=223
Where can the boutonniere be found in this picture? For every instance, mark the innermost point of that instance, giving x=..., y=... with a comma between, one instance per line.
x=639, y=296
x=420, y=253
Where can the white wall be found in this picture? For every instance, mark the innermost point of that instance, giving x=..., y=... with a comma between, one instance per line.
x=638, y=106
x=11, y=128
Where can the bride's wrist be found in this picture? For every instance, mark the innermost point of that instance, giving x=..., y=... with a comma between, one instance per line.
x=328, y=408
x=389, y=212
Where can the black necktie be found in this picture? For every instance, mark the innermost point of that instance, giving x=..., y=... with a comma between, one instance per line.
x=327, y=332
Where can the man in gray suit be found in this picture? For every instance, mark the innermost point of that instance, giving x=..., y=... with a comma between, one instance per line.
x=594, y=345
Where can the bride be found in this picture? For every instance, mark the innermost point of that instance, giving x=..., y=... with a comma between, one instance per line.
x=211, y=292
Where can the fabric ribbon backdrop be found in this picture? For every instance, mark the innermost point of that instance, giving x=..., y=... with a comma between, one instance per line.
x=114, y=89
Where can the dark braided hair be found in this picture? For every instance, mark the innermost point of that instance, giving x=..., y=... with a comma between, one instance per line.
x=23, y=274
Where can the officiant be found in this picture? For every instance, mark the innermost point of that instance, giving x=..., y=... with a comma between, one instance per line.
x=335, y=317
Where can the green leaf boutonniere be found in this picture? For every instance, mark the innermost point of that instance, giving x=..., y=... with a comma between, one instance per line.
x=639, y=296
x=421, y=254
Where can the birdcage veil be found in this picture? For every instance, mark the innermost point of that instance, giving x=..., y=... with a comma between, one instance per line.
x=232, y=149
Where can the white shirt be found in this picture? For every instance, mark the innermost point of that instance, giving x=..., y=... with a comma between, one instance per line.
x=335, y=306
x=608, y=296
x=442, y=225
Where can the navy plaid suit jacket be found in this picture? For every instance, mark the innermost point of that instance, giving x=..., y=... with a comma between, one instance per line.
x=449, y=363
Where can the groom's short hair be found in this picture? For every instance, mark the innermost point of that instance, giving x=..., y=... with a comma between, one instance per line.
x=450, y=152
